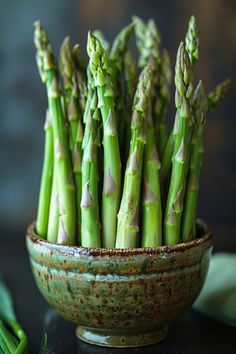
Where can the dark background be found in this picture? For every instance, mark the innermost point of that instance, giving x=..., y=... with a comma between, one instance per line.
x=23, y=104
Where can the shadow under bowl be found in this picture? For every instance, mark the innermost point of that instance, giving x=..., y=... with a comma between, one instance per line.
x=121, y=297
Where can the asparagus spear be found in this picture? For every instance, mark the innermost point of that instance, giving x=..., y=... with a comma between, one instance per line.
x=80, y=72
x=75, y=123
x=98, y=65
x=192, y=187
x=192, y=41
x=128, y=226
x=46, y=181
x=79, y=60
x=174, y=204
x=65, y=183
x=118, y=49
x=151, y=207
x=90, y=228
x=162, y=99
x=130, y=76
x=53, y=221
x=104, y=42
x=215, y=97
x=192, y=48
x=116, y=57
x=147, y=40
x=149, y=44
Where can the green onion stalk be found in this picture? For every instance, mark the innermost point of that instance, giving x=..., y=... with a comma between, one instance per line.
x=98, y=64
x=63, y=167
x=200, y=106
x=128, y=216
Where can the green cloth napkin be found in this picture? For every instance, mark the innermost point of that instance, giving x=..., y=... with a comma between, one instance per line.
x=218, y=296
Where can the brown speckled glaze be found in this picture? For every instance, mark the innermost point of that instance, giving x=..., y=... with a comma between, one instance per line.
x=120, y=297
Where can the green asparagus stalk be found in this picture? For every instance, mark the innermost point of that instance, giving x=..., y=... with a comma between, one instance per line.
x=215, y=97
x=98, y=65
x=65, y=183
x=149, y=45
x=147, y=40
x=90, y=227
x=174, y=204
x=116, y=57
x=130, y=76
x=192, y=187
x=168, y=152
x=118, y=49
x=53, y=222
x=192, y=41
x=162, y=99
x=46, y=181
x=192, y=48
x=75, y=122
x=104, y=42
x=79, y=60
x=128, y=223
x=151, y=208
x=80, y=72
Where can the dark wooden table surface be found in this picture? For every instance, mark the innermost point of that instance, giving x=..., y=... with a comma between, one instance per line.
x=190, y=334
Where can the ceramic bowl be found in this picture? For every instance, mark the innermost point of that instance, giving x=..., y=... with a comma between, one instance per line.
x=120, y=297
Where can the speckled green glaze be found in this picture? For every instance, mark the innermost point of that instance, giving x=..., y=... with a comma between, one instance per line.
x=120, y=297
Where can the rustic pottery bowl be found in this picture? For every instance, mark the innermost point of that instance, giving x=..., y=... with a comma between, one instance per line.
x=121, y=297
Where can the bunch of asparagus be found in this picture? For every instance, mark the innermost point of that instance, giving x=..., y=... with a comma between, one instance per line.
x=112, y=177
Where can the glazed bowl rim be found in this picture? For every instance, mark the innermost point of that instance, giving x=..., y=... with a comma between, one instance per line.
x=66, y=249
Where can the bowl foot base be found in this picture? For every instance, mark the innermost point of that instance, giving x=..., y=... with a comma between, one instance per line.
x=120, y=338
